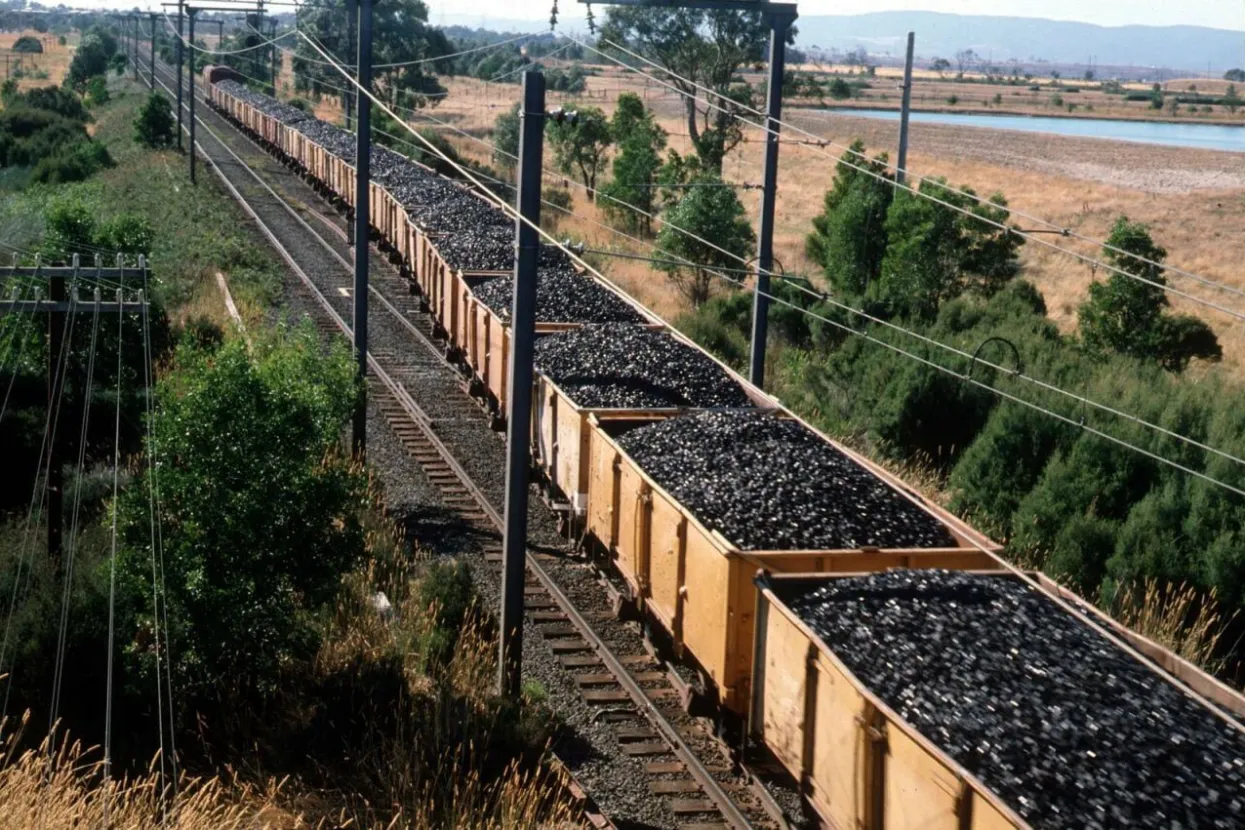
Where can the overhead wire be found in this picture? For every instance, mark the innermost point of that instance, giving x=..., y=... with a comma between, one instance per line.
x=958, y=208
x=71, y=544
x=822, y=140
x=966, y=377
x=37, y=496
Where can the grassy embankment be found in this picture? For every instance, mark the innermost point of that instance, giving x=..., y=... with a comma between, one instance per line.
x=380, y=723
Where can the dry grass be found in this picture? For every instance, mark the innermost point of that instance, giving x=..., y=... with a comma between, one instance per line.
x=66, y=788
x=54, y=60
x=1177, y=617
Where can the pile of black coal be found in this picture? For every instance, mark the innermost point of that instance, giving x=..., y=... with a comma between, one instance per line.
x=631, y=367
x=770, y=483
x=563, y=295
x=265, y=104
x=1068, y=729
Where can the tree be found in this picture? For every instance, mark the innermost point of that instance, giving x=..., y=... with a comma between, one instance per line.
x=839, y=89
x=849, y=236
x=940, y=65
x=696, y=47
x=506, y=138
x=715, y=214
x=580, y=145
x=258, y=511
x=28, y=45
x=964, y=60
x=1089, y=74
x=1234, y=75
x=1125, y=314
x=97, y=90
x=154, y=127
x=935, y=252
x=69, y=228
x=640, y=141
x=401, y=35
x=96, y=49
x=1231, y=100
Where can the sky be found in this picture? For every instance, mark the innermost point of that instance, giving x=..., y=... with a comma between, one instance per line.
x=1219, y=14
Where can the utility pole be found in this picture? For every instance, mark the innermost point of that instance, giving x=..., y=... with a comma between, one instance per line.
x=519, y=401
x=137, y=36
x=56, y=308
x=902, y=162
x=180, y=60
x=152, y=65
x=275, y=58
x=780, y=24
x=363, y=174
x=192, y=97
x=351, y=17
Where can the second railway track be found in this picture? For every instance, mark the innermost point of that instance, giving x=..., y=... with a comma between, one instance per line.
x=424, y=399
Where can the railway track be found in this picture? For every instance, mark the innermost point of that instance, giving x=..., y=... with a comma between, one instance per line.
x=425, y=399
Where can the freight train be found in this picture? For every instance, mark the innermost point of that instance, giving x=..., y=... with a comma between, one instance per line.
x=722, y=513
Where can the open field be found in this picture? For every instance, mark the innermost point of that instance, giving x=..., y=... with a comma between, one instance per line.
x=54, y=60
x=1068, y=97
x=1192, y=199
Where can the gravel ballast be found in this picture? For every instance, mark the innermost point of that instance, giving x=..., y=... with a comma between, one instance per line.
x=563, y=295
x=769, y=483
x=1067, y=728
x=631, y=367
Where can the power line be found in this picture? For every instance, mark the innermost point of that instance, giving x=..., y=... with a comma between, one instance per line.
x=915, y=191
x=965, y=377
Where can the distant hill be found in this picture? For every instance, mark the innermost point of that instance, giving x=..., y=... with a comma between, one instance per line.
x=1028, y=40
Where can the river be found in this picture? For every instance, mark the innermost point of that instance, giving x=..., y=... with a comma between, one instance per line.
x=1201, y=136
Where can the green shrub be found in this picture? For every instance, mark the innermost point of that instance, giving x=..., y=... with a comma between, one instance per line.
x=27, y=44
x=258, y=511
x=155, y=126
x=448, y=591
x=97, y=90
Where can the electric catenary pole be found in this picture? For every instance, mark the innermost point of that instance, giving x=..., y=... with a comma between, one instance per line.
x=363, y=165
x=519, y=403
x=780, y=17
x=902, y=162
x=192, y=96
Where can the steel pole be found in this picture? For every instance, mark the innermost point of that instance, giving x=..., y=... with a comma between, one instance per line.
x=901, y=164
x=275, y=59
x=351, y=17
x=779, y=24
x=519, y=404
x=151, y=66
x=54, y=484
x=363, y=172
x=192, y=98
x=181, y=52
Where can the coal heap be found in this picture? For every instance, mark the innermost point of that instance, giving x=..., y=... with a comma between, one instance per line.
x=769, y=483
x=1068, y=729
x=631, y=367
x=562, y=296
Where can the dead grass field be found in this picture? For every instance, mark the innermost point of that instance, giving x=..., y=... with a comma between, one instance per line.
x=1194, y=200
x=54, y=60
x=932, y=91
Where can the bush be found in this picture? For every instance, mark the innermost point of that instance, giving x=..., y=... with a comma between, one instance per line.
x=839, y=89
x=155, y=126
x=299, y=104
x=97, y=91
x=27, y=44
x=953, y=100
x=258, y=515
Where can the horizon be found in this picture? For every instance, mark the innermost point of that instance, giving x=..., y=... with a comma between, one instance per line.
x=1225, y=15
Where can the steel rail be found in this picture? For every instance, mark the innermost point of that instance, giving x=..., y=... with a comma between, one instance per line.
x=692, y=763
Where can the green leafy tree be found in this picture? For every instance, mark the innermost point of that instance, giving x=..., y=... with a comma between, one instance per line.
x=940, y=65
x=935, y=252
x=1234, y=75
x=698, y=47
x=28, y=45
x=1126, y=313
x=127, y=234
x=154, y=127
x=580, y=146
x=640, y=141
x=69, y=228
x=849, y=235
x=840, y=89
x=97, y=90
x=258, y=512
x=401, y=35
x=506, y=138
x=716, y=215
x=96, y=49
x=1231, y=99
